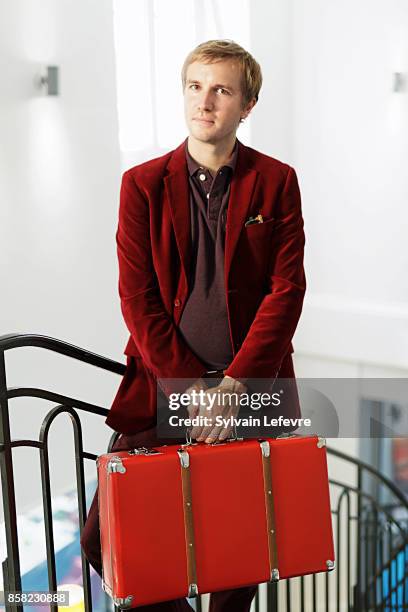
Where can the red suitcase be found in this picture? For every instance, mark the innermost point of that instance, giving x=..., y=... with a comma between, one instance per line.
x=179, y=521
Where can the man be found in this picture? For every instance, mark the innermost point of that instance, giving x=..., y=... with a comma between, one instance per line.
x=210, y=245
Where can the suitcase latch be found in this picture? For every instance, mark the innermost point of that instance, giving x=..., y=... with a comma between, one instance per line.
x=142, y=450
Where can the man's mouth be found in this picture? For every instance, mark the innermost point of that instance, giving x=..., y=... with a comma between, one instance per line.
x=203, y=121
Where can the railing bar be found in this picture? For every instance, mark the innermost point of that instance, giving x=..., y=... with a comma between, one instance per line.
x=8, y=490
x=403, y=576
x=6, y=583
x=327, y=592
x=374, y=554
x=274, y=593
x=11, y=341
x=16, y=443
x=390, y=564
x=51, y=396
x=288, y=602
x=339, y=564
x=257, y=600
x=92, y=456
x=348, y=554
x=79, y=456
x=342, y=485
x=369, y=468
x=314, y=592
x=368, y=497
x=48, y=523
x=357, y=591
x=302, y=594
x=271, y=594
x=80, y=478
x=381, y=555
x=37, y=444
x=366, y=560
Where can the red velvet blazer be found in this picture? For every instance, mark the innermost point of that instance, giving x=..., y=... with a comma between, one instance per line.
x=264, y=276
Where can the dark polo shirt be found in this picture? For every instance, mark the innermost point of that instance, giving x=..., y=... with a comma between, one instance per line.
x=204, y=321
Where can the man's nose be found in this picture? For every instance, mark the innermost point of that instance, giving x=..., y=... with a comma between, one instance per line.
x=206, y=101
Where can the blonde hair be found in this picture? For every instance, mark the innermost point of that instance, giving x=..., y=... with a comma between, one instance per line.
x=216, y=50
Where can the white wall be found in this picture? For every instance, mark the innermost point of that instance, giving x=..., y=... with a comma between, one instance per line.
x=327, y=106
x=350, y=149
x=272, y=47
x=59, y=182
x=60, y=172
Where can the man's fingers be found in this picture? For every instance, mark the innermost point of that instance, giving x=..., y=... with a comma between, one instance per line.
x=199, y=430
x=225, y=433
x=196, y=432
x=216, y=433
x=205, y=431
x=203, y=412
x=193, y=410
x=208, y=431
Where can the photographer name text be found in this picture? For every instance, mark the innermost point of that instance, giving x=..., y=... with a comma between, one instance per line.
x=220, y=421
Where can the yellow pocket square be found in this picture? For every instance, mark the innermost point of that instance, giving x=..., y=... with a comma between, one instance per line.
x=252, y=220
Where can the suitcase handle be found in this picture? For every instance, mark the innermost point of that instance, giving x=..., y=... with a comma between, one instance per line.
x=232, y=438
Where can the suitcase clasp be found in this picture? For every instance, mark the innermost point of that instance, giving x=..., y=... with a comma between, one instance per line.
x=286, y=435
x=142, y=450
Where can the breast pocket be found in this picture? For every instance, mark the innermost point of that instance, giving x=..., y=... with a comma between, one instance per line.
x=256, y=245
x=255, y=228
x=258, y=235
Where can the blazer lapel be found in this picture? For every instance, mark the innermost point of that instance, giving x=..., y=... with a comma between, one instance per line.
x=242, y=190
x=177, y=192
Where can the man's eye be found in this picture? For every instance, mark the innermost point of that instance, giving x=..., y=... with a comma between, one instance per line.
x=194, y=86
x=222, y=90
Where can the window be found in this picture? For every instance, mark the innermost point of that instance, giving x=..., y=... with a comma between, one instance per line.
x=152, y=39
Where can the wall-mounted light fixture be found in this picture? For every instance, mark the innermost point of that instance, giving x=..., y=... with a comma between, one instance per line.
x=50, y=80
x=399, y=82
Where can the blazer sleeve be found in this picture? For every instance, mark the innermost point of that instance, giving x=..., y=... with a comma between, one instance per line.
x=160, y=344
x=269, y=337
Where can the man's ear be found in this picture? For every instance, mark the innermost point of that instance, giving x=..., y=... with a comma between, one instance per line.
x=245, y=111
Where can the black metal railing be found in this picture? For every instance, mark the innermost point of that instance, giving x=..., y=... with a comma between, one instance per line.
x=69, y=405
x=371, y=539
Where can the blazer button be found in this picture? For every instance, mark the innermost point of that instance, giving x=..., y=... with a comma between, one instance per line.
x=177, y=303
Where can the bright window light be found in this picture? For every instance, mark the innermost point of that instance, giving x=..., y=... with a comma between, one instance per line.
x=152, y=39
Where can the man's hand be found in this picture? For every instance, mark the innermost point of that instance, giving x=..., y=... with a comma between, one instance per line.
x=197, y=386
x=223, y=401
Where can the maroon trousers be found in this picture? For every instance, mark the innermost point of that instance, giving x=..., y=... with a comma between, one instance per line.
x=236, y=600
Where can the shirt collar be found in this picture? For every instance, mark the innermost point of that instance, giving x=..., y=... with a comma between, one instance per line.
x=193, y=166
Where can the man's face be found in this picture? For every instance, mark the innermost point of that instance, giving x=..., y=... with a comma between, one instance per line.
x=213, y=100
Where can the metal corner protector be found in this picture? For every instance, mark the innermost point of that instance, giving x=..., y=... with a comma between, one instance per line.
x=123, y=602
x=115, y=465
